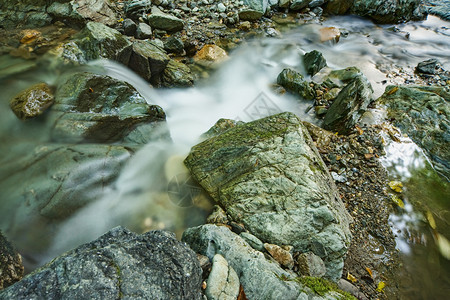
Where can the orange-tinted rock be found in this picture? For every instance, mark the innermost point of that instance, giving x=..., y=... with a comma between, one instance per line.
x=211, y=53
x=32, y=102
x=330, y=34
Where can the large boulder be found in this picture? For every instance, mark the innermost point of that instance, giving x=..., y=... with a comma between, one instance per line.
x=119, y=264
x=423, y=113
x=11, y=268
x=268, y=175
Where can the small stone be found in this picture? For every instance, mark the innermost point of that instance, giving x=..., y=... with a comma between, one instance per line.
x=174, y=45
x=143, y=31
x=299, y=4
x=129, y=27
x=250, y=15
x=282, y=256
x=246, y=26
x=223, y=282
x=427, y=67
x=314, y=62
x=221, y=7
x=163, y=21
x=32, y=102
x=315, y=3
x=218, y=216
x=29, y=36
x=311, y=265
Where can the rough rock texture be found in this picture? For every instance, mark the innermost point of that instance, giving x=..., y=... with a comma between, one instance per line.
x=97, y=108
x=25, y=13
x=11, y=268
x=223, y=282
x=32, y=102
x=314, y=62
x=423, y=113
x=293, y=81
x=119, y=264
x=250, y=15
x=427, y=67
x=143, y=31
x=259, y=5
x=177, y=74
x=137, y=8
x=439, y=8
x=160, y=20
x=283, y=257
x=268, y=175
x=311, y=265
x=299, y=4
x=349, y=105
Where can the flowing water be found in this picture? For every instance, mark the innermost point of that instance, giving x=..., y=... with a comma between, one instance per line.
x=241, y=89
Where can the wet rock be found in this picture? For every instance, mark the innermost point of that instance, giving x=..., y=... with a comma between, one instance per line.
x=250, y=15
x=294, y=81
x=316, y=3
x=427, y=66
x=310, y=264
x=177, y=74
x=129, y=27
x=389, y=12
x=137, y=8
x=330, y=34
x=11, y=268
x=314, y=62
x=119, y=264
x=143, y=31
x=174, y=45
x=160, y=20
x=282, y=256
x=26, y=13
x=423, y=113
x=351, y=102
x=148, y=60
x=96, y=108
x=267, y=175
x=223, y=282
x=299, y=4
x=252, y=240
x=210, y=55
x=32, y=102
x=439, y=8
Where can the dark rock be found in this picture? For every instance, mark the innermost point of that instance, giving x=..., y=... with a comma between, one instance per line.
x=174, y=45
x=177, y=74
x=137, y=8
x=119, y=264
x=314, y=62
x=338, y=7
x=159, y=20
x=389, y=11
x=129, y=27
x=267, y=175
x=316, y=3
x=221, y=126
x=299, y=4
x=11, y=268
x=293, y=81
x=149, y=61
x=250, y=15
x=310, y=264
x=439, y=8
x=96, y=108
x=427, y=66
x=351, y=102
x=423, y=113
x=25, y=13
x=32, y=102
x=143, y=31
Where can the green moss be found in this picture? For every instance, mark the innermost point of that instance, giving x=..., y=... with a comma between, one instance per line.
x=322, y=286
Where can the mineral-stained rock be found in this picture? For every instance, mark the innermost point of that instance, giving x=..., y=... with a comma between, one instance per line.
x=294, y=82
x=223, y=282
x=32, y=102
x=423, y=112
x=209, y=55
x=96, y=108
x=119, y=264
x=282, y=256
x=160, y=20
x=268, y=175
x=11, y=268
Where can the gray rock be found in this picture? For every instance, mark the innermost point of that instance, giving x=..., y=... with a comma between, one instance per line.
x=268, y=175
x=348, y=107
x=129, y=27
x=32, y=102
x=177, y=74
x=250, y=15
x=25, y=13
x=148, y=60
x=174, y=45
x=299, y=4
x=439, y=8
x=294, y=82
x=119, y=264
x=96, y=108
x=389, y=11
x=314, y=62
x=11, y=268
x=310, y=264
x=423, y=113
x=137, y=8
x=223, y=282
x=253, y=241
x=350, y=288
x=316, y=3
x=258, y=5
x=160, y=20
x=427, y=66
x=143, y=31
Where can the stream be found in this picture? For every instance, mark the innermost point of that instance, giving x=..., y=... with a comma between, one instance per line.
x=149, y=191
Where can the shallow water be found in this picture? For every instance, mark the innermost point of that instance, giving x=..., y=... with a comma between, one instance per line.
x=240, y=89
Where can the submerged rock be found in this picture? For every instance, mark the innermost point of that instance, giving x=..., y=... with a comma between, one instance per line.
x=294, y=81
x=267, y=175
x=423, y=113
x=32, y=102
x=119, y=264
x=11, y=268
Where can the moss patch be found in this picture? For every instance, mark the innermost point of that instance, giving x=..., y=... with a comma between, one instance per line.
x=322, y=286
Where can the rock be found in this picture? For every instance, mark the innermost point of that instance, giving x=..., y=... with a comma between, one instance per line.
x=129, y=27
x=284, y=3
x=423, y=113
x=177, y=74
x=350, y=288
x=174, y=45
x=223, y=282
x=338, y=7
x=299, y=4
x=427, y=66
x=96, y=108
x=329, y=34
x=26, y=13
x=119, y=264
x=316, y=3
x=310, y=264
x=258, y=5
x=137, y=8
x=143, y=31
x=293, y=81
x=439, y=8
x=217, y=216
x=282, y=256
x=159, y=20
x=210, y=55
x=250, y=15
x=149, y=61
x=314, y=62
x=351, y=102
x=32, y=102
x=11, y=268
x=252, y=240
x=389, y=12
x=267, y=175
